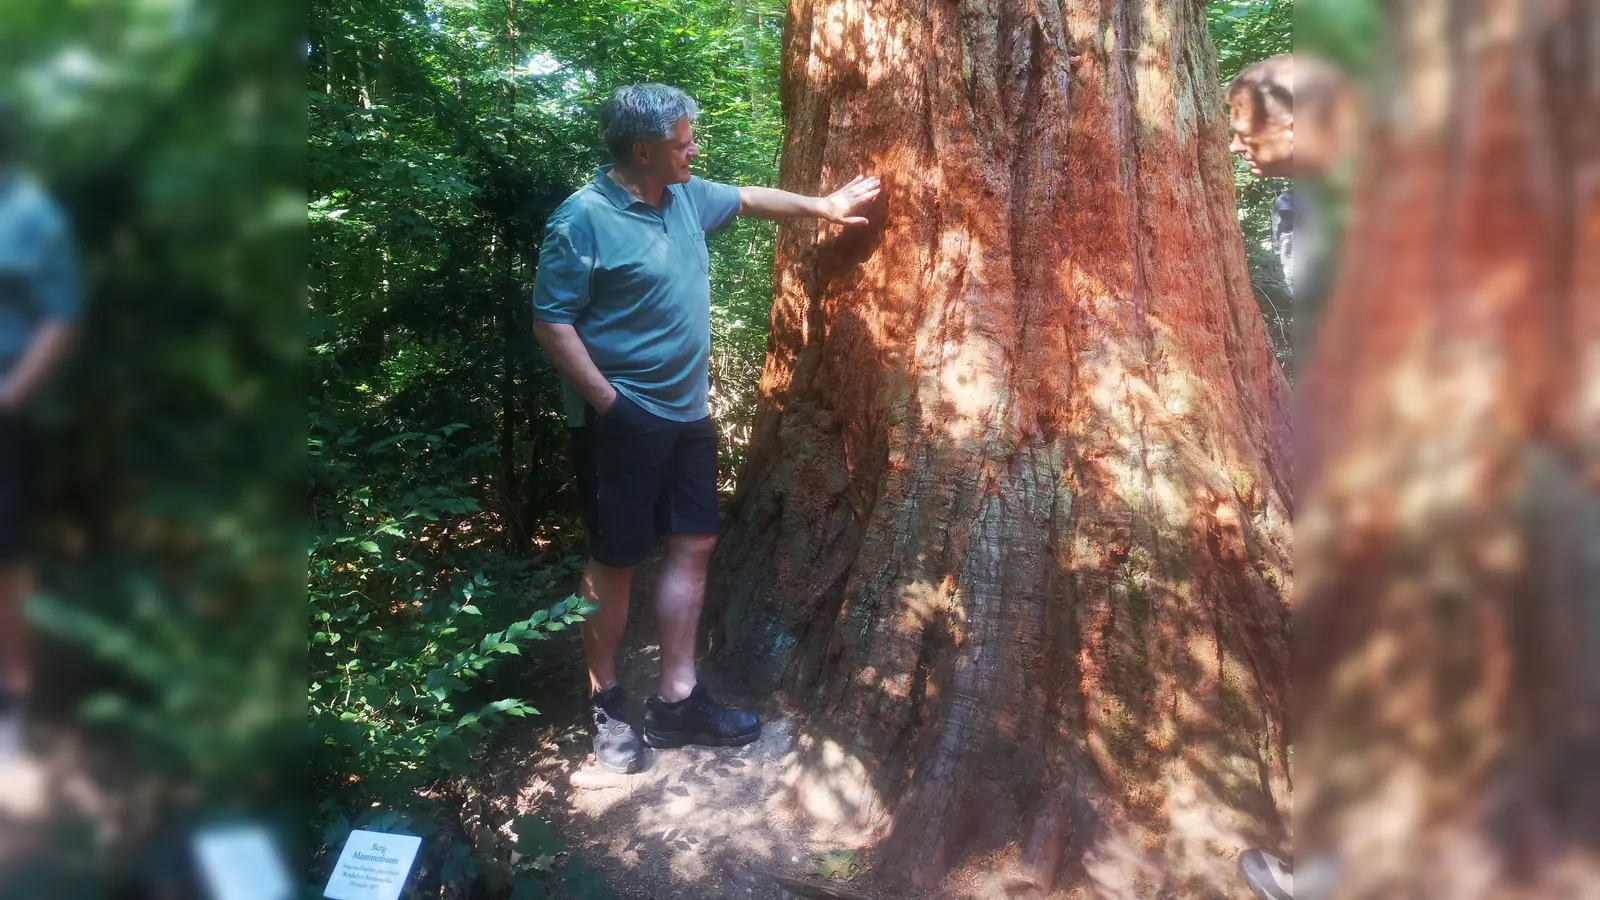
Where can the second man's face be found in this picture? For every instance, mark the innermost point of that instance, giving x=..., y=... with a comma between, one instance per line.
x=1268, y=148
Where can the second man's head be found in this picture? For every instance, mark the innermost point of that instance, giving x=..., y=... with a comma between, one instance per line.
x=1290, y=115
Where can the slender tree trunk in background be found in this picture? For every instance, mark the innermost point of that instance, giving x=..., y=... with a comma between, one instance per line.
x=1448, y=643
x=517, y=536
x=511, y=322
x=1013, y=535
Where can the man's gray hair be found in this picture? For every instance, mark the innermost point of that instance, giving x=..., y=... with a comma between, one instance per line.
x=1289, y=86
x=642, y=112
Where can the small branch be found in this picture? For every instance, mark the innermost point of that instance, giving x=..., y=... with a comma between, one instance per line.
x=808, y=888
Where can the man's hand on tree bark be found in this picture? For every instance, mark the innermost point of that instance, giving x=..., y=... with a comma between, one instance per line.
x=840, y=205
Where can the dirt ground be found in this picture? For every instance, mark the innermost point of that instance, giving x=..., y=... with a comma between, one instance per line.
x=33, y=794
x=66, y=813
x=699, y=823
x=743, y=823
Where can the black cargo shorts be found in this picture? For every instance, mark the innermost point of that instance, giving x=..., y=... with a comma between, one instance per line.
x=641, y=476
x=16, y=484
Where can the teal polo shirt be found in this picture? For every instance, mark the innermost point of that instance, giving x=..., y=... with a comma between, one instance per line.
x=38, y=267
x=634, y=281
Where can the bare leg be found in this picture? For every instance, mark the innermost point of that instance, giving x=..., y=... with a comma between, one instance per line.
x=679, y=596
x=16, y=583
x=606, y=588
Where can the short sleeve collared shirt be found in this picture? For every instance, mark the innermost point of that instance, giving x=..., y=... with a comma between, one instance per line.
x=634, y=281
x=38, y=267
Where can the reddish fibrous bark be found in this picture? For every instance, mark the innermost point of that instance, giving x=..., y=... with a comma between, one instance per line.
x=1448, y=622
x=1013, y=534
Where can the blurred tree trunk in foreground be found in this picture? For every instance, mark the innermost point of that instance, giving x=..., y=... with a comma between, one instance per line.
x=1448, y=626
x=1013, y=533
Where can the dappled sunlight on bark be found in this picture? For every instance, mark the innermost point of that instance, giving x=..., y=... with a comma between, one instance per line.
x=1013, y=531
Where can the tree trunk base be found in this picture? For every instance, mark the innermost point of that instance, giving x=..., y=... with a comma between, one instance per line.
x=1013, y=532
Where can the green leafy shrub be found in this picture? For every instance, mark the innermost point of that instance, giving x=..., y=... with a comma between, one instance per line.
x=413, y=603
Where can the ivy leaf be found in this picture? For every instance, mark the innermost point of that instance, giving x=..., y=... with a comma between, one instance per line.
x=838, y=864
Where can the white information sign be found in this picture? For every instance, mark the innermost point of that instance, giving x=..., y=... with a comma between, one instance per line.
x=240, y=863
x=373, y=866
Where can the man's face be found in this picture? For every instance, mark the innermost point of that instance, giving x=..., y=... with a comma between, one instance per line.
x=668, y=160
x=1268, y=149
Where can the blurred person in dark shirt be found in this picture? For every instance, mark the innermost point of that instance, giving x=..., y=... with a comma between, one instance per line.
x=1292, y=118
x=39, y=300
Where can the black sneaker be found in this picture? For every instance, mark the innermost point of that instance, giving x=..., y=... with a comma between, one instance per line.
x=1267, y=876
x=697, y=719
x=616, y=743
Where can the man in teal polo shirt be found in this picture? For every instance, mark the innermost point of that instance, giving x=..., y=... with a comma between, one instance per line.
x=622, y=303
x=1294, y=117
x=38, y=302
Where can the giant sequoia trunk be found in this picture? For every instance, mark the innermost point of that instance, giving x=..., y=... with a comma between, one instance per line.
x=1013, y=533
x=1448, y=661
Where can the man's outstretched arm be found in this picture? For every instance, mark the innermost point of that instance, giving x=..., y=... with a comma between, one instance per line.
x=840, y=206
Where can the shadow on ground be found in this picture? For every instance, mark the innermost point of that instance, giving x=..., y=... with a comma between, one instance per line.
x=699, y=823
